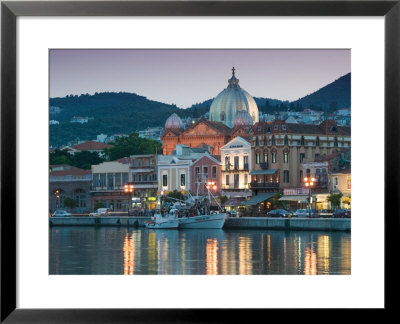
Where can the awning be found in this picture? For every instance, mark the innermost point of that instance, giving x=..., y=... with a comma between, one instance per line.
x=259, y=198
x=235, y=201
x=302, y=199
x=259, y=172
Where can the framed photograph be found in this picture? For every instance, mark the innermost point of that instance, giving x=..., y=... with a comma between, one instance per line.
x=129, y=140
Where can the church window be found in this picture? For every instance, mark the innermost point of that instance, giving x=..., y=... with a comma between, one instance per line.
x=257, y=142
x=265, y=140
x=223, y=116
x=285, y=157
x=257, y=158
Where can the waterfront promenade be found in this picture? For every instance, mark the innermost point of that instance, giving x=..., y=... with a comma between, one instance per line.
x=321, y=224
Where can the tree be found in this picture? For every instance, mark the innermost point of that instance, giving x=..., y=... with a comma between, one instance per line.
x=335, y=199
x=70, y=203
x=275, y=202
x=223, y=199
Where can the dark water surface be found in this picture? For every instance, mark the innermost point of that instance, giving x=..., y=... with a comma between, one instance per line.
x=130, y=251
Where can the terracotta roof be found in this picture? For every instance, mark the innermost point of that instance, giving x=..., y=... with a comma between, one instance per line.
x=91, y=146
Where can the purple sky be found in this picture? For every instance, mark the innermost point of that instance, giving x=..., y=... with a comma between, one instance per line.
x=184, y=77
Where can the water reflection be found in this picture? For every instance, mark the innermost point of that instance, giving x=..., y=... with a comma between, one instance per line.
x=128, y=251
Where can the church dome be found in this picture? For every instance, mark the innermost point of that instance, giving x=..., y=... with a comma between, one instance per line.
x=174, y=122
x=232, y=100
x=243, y=118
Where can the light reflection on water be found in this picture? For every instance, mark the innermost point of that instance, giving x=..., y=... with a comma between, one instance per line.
x=129, y=251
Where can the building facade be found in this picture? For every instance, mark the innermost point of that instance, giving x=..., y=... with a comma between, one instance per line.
x=173, y=173
x=205, y=169
x=68, y=181
x=236, y=161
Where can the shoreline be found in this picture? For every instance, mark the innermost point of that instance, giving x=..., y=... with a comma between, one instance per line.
x=271, y=223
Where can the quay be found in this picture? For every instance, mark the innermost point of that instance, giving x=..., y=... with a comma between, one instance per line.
x=318, y=224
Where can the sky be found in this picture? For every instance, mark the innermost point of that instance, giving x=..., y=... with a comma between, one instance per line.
x=186, y=77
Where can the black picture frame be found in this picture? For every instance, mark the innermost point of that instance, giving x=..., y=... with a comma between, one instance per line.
x=10, y=10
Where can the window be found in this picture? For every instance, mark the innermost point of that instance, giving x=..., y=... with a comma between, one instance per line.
x=301, y=176
x=302, y=156
x=80, y=197
x=197, y=173
x=227, y=179
x=335, y=143
x=275, y=127
x=265, y=157
x=236, y=162
x=308, y=171
x=286, y=176
x=214, y=172
x=227, y=162
x=273, y=157
x=95, y=180
x=283, y=127
x=118, y=179
x=110, y=181
x=165, y=180
x=125, y=178
x=205, y=172
x=285, y=157
x=318, y=175
x=336, y=181
x=222, y=116
x=317, y=141
x=324, y=176
x=286, y=141
x=257, y=158
x=257, y=142
x=265, y=140
x=246, y=162
x=259, y=128
x=245, y=180
x=236, y=181
x=302, y=140
x=268, y=129
x=102, y=180
x=183, y=180
x=273, y=140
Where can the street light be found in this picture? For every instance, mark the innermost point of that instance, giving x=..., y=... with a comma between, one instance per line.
x=129, y=188
x=309, y=183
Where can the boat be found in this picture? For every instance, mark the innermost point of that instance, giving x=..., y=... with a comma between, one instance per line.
x=163, y=220
x=212, y=220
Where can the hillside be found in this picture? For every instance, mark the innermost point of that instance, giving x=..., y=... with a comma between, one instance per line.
x=333, y=96
x=111, y=113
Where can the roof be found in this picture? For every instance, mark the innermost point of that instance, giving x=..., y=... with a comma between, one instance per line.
x=268, y=171
x=68, y=170
x=259, y=198
x=91, y=146
x=124, y=160
x=326, y=127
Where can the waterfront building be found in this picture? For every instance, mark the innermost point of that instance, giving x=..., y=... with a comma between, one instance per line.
x=68, y=181
x=279, y=148
x=340, y=182
x=236, y=161
x=205, y=169
x=173, y=174
x=109, y=179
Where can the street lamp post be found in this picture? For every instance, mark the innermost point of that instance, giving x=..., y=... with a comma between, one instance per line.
x=309, y=183
x=129, y=188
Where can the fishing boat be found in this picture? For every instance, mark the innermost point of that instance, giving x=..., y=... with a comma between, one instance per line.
x=212, y=220
x=163, y=220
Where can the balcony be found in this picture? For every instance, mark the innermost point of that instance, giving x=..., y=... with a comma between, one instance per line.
x=264, y=165
x=236, y=168
x=260, y=185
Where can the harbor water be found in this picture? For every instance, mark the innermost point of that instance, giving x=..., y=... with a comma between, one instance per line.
x=120, y=250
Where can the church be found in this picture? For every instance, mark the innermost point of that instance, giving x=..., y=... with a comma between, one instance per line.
x=232, y=113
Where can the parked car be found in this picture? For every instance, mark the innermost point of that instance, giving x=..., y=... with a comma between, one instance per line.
x=61, y=213
x=100, y=212
x=342, y=213
x=306, y=213
x=325, y=213
x=278, y=213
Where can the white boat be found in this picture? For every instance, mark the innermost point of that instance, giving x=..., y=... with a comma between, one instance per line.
x=216, y=220
x=164, y=221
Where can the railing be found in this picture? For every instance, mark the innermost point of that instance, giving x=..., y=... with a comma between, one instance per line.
x=264, y=165
x=264, y=185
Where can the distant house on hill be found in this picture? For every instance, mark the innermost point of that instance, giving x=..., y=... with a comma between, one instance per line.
x=81, y=120
x=91, y=146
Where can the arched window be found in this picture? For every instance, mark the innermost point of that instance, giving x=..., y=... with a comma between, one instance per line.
x=273, y=140
x=273, y=156
x=223, y=116
x=265, y=156
x=265, y=140
x=285, y=156
x=257, y=157
x=335, y=144
x=257, y=142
